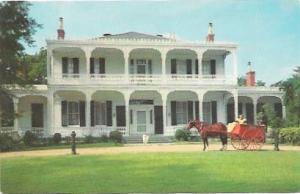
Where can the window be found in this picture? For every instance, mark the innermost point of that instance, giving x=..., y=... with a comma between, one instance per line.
x=181, y=112
x=100, y=113
x=207, y=112
x=37, y=115
x=73, y=113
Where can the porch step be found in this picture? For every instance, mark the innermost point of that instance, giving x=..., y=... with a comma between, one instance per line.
x=152, y=139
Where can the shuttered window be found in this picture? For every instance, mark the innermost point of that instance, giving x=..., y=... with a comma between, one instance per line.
x=181, y=112
x=73, y=113
x=102, y=65
x=92, y=65
x=37, y=115
x=64, y=65
x=188, y=66
x=100, y=113
x=213, y=67
x=109, y=113
x=121, y=116
x=149, y=66
x=173, y=66
x=196, y=66
x=75, y=65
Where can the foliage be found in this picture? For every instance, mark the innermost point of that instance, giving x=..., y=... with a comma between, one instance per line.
x=290, y=135
x=36, y=67
x=272, y=119
x=104, y=138
x=241, y=81
x=291, y=86
x=195, y=172
x=57, y=138
x=182, y=134
x=116, y=136
x=260, y=83
x=6, y=142
x=89, y=139
x=30, y=138
x=16, y=29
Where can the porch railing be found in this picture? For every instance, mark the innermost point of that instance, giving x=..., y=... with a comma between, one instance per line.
x=97, y=131
x=142, y=79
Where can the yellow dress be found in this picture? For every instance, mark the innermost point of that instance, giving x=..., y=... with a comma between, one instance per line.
x=231, y=126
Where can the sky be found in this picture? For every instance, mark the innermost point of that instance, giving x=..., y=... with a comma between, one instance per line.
x=267, y=31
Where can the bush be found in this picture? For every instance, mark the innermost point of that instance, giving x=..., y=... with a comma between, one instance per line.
x=116, y=136
x=182, y=134
x=290, y=135
x=57, y=138
x=30, y=138
x=103, y=138
x=6, y=143
x=89, y=139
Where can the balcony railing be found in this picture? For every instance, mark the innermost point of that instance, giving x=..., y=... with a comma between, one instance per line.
x=141, y=79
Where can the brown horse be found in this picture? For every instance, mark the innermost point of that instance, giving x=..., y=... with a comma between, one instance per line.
x=207, y=130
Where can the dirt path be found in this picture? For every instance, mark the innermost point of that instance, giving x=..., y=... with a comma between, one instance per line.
x=139, y=148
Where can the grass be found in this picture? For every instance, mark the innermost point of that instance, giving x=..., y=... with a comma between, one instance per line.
x=264, y=171
x=22, y=147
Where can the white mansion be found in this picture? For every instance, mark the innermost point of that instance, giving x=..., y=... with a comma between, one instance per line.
x=138, y=84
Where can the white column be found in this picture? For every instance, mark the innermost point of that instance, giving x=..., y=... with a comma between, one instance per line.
x=200, y=99
x=50, y=119
x=16, y=110
x=254, y=109
x=164, y=96
x=126, y=63
x=88, y=110
x=235, y=68
x=87, y=57
x=163, y=61
x=127, y=111
x=199, y=57
x=236, y=104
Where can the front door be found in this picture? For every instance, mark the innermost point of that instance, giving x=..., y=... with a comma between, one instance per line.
x=142, y=120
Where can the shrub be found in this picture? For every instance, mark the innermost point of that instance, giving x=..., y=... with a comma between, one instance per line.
x=6, y=143
x=89, y=139
x=116, y=136
x=290, y=135
x=182, y=134
x=30, y=138
x=56, y=138
x=103, y=138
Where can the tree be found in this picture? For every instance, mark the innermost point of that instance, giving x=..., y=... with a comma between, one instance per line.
x=291, y=86
x=36, y=68
x=16, y=29
x=241, y=81
x=260, y=83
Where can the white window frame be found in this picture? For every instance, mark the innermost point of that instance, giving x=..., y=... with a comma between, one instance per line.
x=77, y=114
x=100, y=113
x=181, y=109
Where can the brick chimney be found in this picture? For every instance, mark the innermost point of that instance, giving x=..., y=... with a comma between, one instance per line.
x=250, y=76
x=210, y=35
x=61, y=31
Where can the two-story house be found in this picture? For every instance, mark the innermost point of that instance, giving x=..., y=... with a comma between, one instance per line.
x=138, y=84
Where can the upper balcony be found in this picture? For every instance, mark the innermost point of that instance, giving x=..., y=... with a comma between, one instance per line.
x=143, y=65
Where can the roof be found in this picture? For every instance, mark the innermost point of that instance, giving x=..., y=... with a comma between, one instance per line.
x=133, y=35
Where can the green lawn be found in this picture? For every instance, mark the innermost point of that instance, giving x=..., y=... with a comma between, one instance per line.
x=232, y=171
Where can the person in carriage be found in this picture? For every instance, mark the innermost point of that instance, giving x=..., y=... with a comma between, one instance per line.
x=240, y=120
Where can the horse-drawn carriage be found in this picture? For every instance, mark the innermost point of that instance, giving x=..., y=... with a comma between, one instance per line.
x=247, y=137
x=243, y=136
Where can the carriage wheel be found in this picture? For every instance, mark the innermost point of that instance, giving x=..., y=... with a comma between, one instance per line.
x=257, y=142
x=238, y=143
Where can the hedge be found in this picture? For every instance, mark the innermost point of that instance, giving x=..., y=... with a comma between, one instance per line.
x=290, y=135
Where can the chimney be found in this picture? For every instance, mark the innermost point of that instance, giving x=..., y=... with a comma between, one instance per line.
x=210, y=35
x=61, y=31
x=250, y=76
